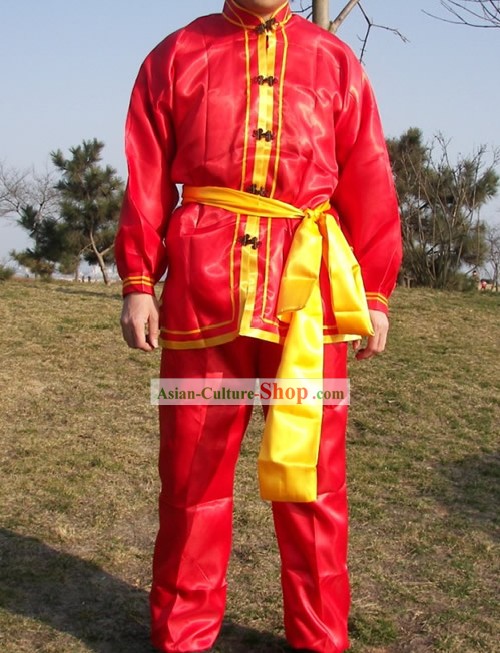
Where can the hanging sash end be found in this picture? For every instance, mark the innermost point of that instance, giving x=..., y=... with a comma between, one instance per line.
x=291, y=482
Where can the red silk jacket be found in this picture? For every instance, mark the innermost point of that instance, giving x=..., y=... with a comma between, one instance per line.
x=282, y=109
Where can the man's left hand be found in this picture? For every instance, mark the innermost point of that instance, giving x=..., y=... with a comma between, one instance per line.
x=376, y=343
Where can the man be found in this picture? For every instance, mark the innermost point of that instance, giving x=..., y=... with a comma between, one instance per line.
x=270, y=125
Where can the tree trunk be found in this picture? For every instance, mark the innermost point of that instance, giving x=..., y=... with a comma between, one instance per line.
x=100, y=259
x=102, y=266
x=335, y=24
x=321, y=13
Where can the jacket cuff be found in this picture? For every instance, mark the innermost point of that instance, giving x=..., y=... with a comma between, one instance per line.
x=139, y=283
x=377, y=302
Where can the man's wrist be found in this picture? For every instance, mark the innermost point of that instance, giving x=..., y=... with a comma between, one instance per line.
x=377, y=302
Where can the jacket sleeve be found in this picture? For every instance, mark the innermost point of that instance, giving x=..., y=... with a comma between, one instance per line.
x=365, y=197
x=150, y=195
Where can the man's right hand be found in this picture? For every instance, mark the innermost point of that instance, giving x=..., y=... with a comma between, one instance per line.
x=140, y=321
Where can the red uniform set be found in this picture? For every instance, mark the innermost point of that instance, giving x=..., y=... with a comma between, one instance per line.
x=277, y=111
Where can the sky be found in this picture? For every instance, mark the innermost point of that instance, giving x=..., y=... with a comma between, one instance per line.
x=67, y=69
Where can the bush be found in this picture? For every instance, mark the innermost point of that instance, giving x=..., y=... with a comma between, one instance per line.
x=5, y=272
x=463, y=282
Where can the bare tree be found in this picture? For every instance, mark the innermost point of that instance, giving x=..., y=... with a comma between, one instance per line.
x=90, y=200
x=13, y=189
x=492, y=258
x=473, y=13
x=319, y=12
x=22, y=188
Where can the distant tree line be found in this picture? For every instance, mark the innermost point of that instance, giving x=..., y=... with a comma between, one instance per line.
x=71, y=213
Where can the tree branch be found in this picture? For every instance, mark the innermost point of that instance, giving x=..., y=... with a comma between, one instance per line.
x=370, y=25
x=307, y=10
x=318, y=11
x=472, y=13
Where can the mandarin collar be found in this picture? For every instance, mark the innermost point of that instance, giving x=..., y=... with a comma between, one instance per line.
x=246, y=19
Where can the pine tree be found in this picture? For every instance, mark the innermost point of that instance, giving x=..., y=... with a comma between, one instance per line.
x=91, y=197
x=440, y=203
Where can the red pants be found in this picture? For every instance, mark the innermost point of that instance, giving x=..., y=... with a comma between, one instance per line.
x=198, y=454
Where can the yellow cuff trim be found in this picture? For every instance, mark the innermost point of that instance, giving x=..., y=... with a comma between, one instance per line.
x=138, y=281
x=377, y=297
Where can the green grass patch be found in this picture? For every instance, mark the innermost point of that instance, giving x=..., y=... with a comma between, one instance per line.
x=78, y=485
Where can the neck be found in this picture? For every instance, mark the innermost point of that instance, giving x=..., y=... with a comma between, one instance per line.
x=264, y=14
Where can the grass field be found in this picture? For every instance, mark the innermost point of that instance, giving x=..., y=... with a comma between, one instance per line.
x=78, y=483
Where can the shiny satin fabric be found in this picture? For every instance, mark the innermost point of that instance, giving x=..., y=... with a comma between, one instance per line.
x=281, y=109
x=199, y=448
x=289, y=451
x=289, y=114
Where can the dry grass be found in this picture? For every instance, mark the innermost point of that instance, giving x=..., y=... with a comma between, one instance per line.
x=78, y=483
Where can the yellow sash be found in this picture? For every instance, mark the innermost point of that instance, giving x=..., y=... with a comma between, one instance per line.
x=289, y=452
